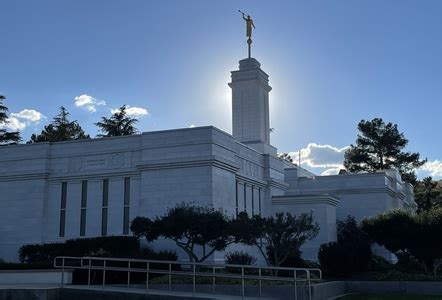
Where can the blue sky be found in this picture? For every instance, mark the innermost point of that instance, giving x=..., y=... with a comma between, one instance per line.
x=331, y=64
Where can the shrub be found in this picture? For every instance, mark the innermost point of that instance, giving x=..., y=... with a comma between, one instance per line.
x=20, y=266
x=190, y=227
x=350, y=254
x=408, y=264
x=115, y=246
x=378, y=263
x=420, y=235
x=148, y=253
x=239, y=258
x=293, y=260
x=394, y=275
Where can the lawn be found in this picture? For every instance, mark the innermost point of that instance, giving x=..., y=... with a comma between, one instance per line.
x=389, y=297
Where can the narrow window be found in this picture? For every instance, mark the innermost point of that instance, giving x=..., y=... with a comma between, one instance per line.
x=83, y=208
x=259, y=200
x=253, y=200
x=126, y=205
x=64, y=188
x=236, y=197
x=104, y=207
x=245, y=197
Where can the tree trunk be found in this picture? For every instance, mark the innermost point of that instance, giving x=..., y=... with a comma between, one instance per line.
x=436, y=264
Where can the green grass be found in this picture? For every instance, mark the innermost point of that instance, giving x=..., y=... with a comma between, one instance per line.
x=389, y=297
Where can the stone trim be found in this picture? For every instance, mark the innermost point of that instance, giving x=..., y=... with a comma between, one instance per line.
x=188, y=163
x=356, y=191
x=251, y=181
x=102, y=175
x=25, y=176
x=305, y=199
x=277, y=184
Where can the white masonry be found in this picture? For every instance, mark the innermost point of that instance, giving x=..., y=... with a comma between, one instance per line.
x=50, y=192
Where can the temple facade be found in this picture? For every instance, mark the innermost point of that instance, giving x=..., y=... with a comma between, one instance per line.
x=50, y=192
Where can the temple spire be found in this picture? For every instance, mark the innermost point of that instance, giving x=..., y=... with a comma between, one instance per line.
x=250, y=106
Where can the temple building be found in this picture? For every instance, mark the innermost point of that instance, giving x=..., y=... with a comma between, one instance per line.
x=51, y=192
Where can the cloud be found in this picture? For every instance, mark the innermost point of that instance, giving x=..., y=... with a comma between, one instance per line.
x=332, y=171
x=19, y=121
x=321, y=156
x=328, y=160
x=133, y=111
x=15, y=124
x=30, y=115
x=88, y=102
x=192, y=126
x=433, y=167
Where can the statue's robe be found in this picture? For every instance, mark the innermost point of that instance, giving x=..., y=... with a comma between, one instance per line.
x=249, y=28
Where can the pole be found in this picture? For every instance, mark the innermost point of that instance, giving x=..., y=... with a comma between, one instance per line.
x=62, y=273
x=147, y=279
x=242, y=283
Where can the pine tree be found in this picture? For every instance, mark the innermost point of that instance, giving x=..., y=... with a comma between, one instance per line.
x=285, y=156
x=118, y=124
x=61, y=129
x=427, y=194
x=380, y=146
x=6, y=138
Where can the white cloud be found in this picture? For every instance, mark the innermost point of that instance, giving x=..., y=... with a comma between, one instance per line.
x=192, y=126
x=321, y=156
x=433, y=167
x=88, y=102
x=29, y=115
x=332, y=171
x=133, y=111
x=328, y=160
x=19, y=121
x=15, y=124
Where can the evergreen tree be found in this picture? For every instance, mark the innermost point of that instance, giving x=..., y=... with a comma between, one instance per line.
x=427, y=194
x=285, y=156
x=61, y=129
x=380, y=146
x=118, y=124
x=6, y=138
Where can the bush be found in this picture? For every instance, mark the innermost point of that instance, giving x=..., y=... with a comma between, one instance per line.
x=115, y=246
x=350, y=254
x=408, y=264
x=239, y=258
x=19, y=266
x=394, y=275
x=419, y=235
x=294, y=259
x=378, y=263
x=148, y=253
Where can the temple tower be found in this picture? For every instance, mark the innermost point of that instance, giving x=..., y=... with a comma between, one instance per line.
x=250, y=106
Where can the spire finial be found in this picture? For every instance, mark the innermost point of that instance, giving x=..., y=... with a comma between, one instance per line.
x=249, y=25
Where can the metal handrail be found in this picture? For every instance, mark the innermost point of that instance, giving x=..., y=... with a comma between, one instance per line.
x=85, y=263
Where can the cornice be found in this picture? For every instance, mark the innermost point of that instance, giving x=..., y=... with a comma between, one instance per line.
x=188, y=163
x=377, y=190
x=305, y=199
x=24, y=176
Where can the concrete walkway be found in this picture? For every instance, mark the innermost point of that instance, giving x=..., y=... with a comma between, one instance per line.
x=161, y=292
x=118, y=289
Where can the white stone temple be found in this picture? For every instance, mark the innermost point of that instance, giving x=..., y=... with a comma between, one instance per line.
x=50, y=192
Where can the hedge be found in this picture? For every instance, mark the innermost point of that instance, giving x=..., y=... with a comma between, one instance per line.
x=115, y=246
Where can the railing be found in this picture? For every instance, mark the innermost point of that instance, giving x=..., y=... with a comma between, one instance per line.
x=295, y=276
